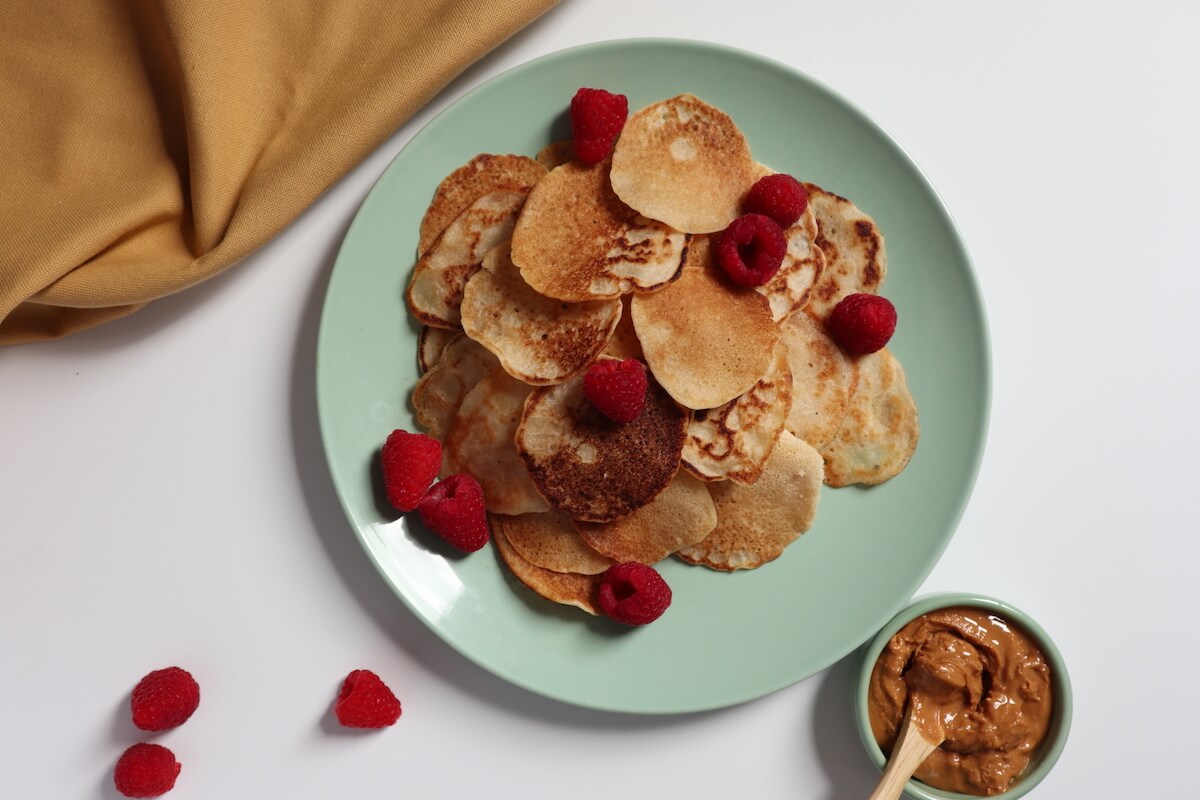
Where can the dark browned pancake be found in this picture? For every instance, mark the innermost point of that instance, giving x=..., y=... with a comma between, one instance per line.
x=591, y=468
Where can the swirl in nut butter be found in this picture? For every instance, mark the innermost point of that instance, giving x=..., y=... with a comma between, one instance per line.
x=973, y=680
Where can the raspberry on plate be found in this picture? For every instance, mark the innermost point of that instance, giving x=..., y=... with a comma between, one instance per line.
x=453, y=508
x=751, y=249
x=597, y=118
x=862, y=323
x=780, y=197
x=617, y=388
x=411, y=461
x=365, y=701
x=633, y=593
x=164, y=699
x=146, y=770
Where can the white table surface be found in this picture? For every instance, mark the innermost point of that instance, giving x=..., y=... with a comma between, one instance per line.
x=165, y=498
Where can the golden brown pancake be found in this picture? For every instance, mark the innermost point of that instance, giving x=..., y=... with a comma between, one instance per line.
x=539, y=340
x=683, y=162
x=681, y=515
x=855, y=258
x=755, y=523
x=556, y=154
x=823, y=379
x=624, y=342
x=567, y=588
x=435, y=291
x=789, y=289
x=483, y=174
x=549, y=540
x=430, y=344
x=699, y=252
x=591, y=468
x=734, y=441
x=480, y=443
x=440, y=392
x=706, y=341
x=576, y=241
x=880, y=430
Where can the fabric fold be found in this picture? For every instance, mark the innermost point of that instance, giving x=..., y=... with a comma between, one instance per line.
x=151, y=144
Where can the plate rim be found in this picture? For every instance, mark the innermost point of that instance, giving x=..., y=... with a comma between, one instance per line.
x=957, y=509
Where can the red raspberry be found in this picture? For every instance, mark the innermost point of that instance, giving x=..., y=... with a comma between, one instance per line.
x=365, y=701
x=617, y=388
x=411, y=461
x=453, y=509
x=780, y=197
x=633, y=593
x=146, y=770
x=597, y=118
x=164, y=699
x=751, y=249
x=862, y=323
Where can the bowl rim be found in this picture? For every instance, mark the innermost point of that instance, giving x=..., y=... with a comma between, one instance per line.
x=1060, y=680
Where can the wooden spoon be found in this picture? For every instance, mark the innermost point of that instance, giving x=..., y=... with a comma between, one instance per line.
x=912, y=748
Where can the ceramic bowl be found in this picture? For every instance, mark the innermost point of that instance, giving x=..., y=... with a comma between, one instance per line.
x=1056, y=736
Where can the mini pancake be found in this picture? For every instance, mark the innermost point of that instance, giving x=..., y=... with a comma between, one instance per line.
x=699, y=252
x=734, y=441
x=682, y=515
x=755, y=523
x=539, y=340
x=480, y=443
x=576, y=241
x=823, y=379
x=705, y=340
x=435, y=291
x=591, y=468
x=440, y=392
x=855, y=258
x=624, y=342
x=789, y=289
x=556, y=154
x=567, y=588
x=685, y=163
x=549, y=540
x=483, y=174
x=430, y=344
x=880, y=430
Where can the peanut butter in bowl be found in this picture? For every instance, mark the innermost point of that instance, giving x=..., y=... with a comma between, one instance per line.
x=976, y=676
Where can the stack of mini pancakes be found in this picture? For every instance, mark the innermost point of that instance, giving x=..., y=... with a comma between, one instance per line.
x=531, y=269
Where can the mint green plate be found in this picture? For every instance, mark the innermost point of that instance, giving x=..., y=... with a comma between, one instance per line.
x=727, y=638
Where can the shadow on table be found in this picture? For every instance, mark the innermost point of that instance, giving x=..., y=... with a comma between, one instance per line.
x=838, y=748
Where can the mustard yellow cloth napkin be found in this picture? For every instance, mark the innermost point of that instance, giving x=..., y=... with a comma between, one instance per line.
x=146, y=145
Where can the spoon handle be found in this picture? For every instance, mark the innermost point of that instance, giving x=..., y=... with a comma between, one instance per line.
x=911, y=749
